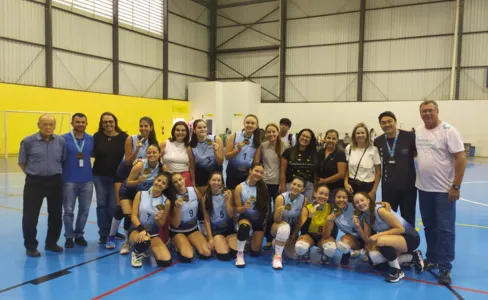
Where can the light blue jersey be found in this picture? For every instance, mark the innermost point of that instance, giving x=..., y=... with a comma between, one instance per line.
x=204, y=153
x=293, y=208
x=381, y=226
x=150, y=173
x=142, y=151
x=243, y=160
x=249, y=193
x=219, y=220
x=189, y=212
x=344, y=221
x=147, y=211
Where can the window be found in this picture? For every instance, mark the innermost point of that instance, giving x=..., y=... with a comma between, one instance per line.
x=102, y=8
x=143, y=14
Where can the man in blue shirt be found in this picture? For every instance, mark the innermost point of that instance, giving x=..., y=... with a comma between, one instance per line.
x=77, y=180
x=40, y=157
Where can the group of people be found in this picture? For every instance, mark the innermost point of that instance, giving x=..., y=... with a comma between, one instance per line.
x=277, y=187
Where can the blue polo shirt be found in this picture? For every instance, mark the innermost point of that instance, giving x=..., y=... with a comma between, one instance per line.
x=71, y=166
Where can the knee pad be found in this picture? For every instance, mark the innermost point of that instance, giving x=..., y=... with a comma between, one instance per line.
x=142, y=247
x=301, y=247
x=118, y=214
x=376, y=257
x=127, y=222
x=163, y=263
x=243, y=232
x=224, y=257
x=388, y=252
x=283, y=232
x=185, y=259
x=329, y=249
x=343, y=248
x=254, y=253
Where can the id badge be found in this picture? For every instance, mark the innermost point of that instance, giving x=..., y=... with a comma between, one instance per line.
x=391, y=161
x=80, y=163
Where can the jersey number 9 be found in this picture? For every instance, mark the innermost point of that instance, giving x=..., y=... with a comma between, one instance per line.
x=191, y=213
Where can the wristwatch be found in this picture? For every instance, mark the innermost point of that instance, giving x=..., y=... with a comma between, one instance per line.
x=456, y=187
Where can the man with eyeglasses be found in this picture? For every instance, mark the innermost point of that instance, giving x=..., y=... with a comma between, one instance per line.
x=397, y=151
x=441, y=165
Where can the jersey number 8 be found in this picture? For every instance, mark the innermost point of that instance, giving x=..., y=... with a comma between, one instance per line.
x=320, y=229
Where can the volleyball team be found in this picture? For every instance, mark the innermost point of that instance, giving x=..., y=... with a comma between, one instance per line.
x=174, y=192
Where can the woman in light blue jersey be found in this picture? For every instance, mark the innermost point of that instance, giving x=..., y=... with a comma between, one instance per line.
x=150, y=213
x=243, y=149
x=135, y=148
x=251, y=201
x=184, y=221
x=218, y=214
x=287, y=210
x=208, y=154
x=141, y=178
x=395, y=238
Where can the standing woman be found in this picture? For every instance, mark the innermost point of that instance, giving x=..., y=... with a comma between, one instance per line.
x=150, y=212
x=217, y=213
x=176, y=153
x=184, y=226
x=332, y=163
x=271, y=151
x=300, y=160
x=251, y=202
x=243, y=149
x=135, y=148
x=207, y=154
x=363, y=163
x=287, y=210
x=108, y=151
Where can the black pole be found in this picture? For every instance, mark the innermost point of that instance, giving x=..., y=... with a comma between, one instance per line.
x=115, y=47
x=165, y=49
x=459, y=50
x=282, y=51
x=362, y=21
x=212, y=51
x=48, y=27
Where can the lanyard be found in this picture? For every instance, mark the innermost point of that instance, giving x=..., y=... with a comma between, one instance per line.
x=391, y=150
x=78, y=146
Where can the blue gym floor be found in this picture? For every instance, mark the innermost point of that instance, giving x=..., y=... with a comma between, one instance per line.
x=95, y=272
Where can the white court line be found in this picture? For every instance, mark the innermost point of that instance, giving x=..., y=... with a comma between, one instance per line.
x=474, y=202
x=464, y=182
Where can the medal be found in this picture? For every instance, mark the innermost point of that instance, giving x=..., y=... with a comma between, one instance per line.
x=186, y=198
x=79, y=155
x=246, y=141
x=160, y=207
x=357, y=213
x=209, y=142
x=146, y=171
x=288, y=206
x=252, y=199
x=321, y=207
x=139, y=137
x=79, y=147
x=337, y=212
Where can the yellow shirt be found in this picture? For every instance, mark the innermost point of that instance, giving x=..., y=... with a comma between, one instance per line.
x=319, y=219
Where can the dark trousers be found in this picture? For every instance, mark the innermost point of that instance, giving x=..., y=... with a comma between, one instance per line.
x=439, y=218
x=273, y=190
x=35, y=190
x=406, y=200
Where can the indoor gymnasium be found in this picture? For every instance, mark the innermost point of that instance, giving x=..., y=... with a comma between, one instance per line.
x=243, y=149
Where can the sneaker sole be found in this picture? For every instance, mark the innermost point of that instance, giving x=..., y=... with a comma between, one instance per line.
x=402, y=275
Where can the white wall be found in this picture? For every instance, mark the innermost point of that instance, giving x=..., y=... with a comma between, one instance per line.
x=226, y=103
x=469, y=117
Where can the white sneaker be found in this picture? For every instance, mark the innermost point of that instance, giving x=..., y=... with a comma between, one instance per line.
x=357, y=253
x=125, y=248
x=240, y=263
x=277, y=262
x=136, y=261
